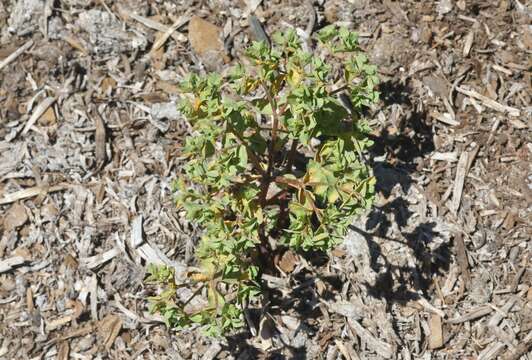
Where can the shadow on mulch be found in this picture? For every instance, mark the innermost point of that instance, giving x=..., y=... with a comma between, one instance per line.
x=411, y=142
x=237, y=344
x=301, y=303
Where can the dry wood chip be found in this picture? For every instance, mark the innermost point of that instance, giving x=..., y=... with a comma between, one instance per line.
x=15, y=217
x=521, y=349
x=347, y=309
x=459, y=180
x=450, y=281
x=30, y=192
x=155, y=25
x=502, y=69
x=130, y=314
x=94, y=297
x=275, y=282
x=93, y=262
x=182, y=20
x=151, y=253
x=252, y=5
x=436, y=332
x=136, y=232
x=212, y=351
x=468, y=42
x=108, y=329
x=72, y=333
x=75, y=43
x=472, y=155
x=100, y=138
x=518, y=124
x=63, y=351
x=461, y=258
x=38, y=112
x=445, y=118
x=472, y=315
x=429, y=307
x=448, y=156
x=500, y=314
x=517, y=278
x=57, y=323
x=492, y=104
x=3, y=350
x=15, y=54
x=380, y=347
x=288, y=261
x=491, y=351
x=257, y=30
x=343, y=349
x=10, y=263
x=204, y=39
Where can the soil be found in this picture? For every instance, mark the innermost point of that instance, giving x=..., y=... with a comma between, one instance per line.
x=90, y=142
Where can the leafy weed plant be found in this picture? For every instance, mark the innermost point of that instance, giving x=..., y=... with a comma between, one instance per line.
x=275, y=160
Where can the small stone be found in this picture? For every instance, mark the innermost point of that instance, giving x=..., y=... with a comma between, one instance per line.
x=205, y=40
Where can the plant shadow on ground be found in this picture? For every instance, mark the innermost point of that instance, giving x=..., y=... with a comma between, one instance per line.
x=301, y=302
x=402, y=150
x=411, y=142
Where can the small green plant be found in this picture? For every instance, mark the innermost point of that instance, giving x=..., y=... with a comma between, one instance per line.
x=275, y=161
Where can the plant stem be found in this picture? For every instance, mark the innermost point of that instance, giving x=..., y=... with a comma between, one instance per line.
x=275, y=125
x=198, y=290
x=254, y=158
x=265, y=184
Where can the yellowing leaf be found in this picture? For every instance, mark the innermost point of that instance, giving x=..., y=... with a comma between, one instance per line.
x=294, y=77
x=197, y=104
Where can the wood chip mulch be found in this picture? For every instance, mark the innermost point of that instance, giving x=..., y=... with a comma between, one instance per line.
x=90, y=142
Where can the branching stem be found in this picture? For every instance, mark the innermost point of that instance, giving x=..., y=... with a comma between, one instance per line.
x=254, y=157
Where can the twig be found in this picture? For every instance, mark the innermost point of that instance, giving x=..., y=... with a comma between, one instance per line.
x=39, y=111
x=472, y=315
x=30, y=192
x=182, y=20
x=459, y=180
x=100, y=140
x=15, y=54
x=93, y=262
x=194, y=294
x=492, y=104
x=10, y=263
x=155, y=25
x=312, y=20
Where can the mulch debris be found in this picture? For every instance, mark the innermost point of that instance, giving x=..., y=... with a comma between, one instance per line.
x=90, y=142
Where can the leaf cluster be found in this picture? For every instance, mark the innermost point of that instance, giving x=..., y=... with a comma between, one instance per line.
x=276, y=159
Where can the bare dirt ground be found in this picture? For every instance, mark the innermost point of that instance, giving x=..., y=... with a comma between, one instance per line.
x=90, y=143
